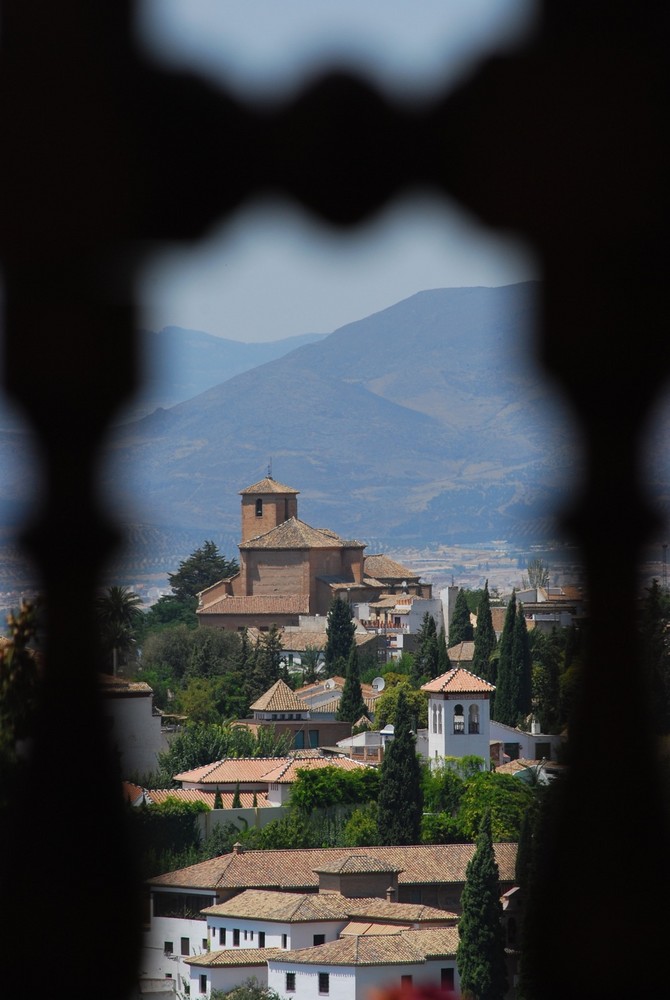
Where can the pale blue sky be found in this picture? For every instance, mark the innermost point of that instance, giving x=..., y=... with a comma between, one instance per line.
x=273, y=271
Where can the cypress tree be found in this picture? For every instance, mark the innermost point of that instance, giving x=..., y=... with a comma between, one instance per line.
x=340, y=634
x=237, y=801
x=218, y=801
x=480, y=956
x=460, y=626
x=400, y=803
x=485, y=638
x=352, y=705
x=522, y=664
x=442, y=656
x=507, y=689
x=426, y=659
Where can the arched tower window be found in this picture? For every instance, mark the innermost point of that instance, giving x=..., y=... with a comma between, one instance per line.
x=473, y=719
x=459, y=719
x=439, y=718
x=259, y=507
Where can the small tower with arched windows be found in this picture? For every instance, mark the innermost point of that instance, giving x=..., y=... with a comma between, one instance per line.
x=459, y=716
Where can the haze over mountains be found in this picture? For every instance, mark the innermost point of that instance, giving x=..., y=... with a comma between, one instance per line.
x=422, y=424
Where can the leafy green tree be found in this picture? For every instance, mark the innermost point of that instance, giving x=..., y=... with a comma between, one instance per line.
x=481, y=948
x=339, y=634
x=167, y=610
x=119, y=615
x=386, y=706
x=360, y=829
x=506, y=702
x=199, y=744
x=204, y=567
x=400, y=792
x=351, y=706
x=485, y=639
x=504, y=798
x=200, y=700
x=460, y=626
x=443, y=788
x=322, y=787
x=537, y=574
x=250, y=989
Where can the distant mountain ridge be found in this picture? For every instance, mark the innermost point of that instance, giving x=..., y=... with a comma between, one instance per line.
x=422, y=424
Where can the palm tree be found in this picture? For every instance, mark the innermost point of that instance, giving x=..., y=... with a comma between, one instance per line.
x=119, y=612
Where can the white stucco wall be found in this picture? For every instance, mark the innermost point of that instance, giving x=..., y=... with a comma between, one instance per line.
x=449, y=744
x=298, y=935
x=225, y=978
x=154, y=963
x=135, y=732
x=351, y=983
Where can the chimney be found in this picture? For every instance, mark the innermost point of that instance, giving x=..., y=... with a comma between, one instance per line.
x=237, y=847
x=390, y=895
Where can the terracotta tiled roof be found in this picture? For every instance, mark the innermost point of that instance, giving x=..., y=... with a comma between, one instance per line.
x=293, y=604
x=357, y=863
x=230, y=770
x=410, y=946
x=462, y=651
x=119, y=687
x=295, y=907
x=292, y=907
x=233, y=957
x=286, y=773
x=160, y=795
x=384, y=568
x=498, y=618
x=295, y=534
x=458, y=680
x=359, y=927
x=295, y=869
x=268, y=485
x=279, y=698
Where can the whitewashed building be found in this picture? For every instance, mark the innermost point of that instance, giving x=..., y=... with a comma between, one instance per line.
x=459, y=716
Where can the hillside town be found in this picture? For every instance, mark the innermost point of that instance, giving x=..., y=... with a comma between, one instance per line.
x=335, y=772
x=347, y=748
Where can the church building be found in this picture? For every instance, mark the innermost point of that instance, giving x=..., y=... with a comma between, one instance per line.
x=289, y=569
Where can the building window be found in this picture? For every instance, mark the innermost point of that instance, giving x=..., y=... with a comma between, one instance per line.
x=314, y=738
x=203, y=984
x=259, y=508
x=284, y=940
x=185, y=946
x=324, y=982
x=319, y=939
x=261, y=939
x=439, y=718
x=168, y=975
x=222, y=935
x=299, y=739
x=236, y=937
x=204, y=944
x=473, y=719
x=434, y=718
x=447, y=979
x=459, y=720
x=168, y=947
x=290, y=982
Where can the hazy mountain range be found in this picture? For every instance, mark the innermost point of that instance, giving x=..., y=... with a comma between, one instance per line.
x=423, y=423
x=426, y=423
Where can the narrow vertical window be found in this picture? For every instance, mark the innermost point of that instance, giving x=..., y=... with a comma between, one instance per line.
x=290, y=982
x=284, y=941
x=439, y=718
x=324, y=982
x=259, y=507
x=185, y=946
x=203, y=984
x=261, y=939
x=236, y=937
x=222, y=935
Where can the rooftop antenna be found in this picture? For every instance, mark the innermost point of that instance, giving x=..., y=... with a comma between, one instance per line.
x=270, y=469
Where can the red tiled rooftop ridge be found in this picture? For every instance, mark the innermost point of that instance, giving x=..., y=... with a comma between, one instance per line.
x=458, y=680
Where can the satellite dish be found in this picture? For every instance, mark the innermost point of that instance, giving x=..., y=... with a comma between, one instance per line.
x=329, y=684
x=379, y=683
